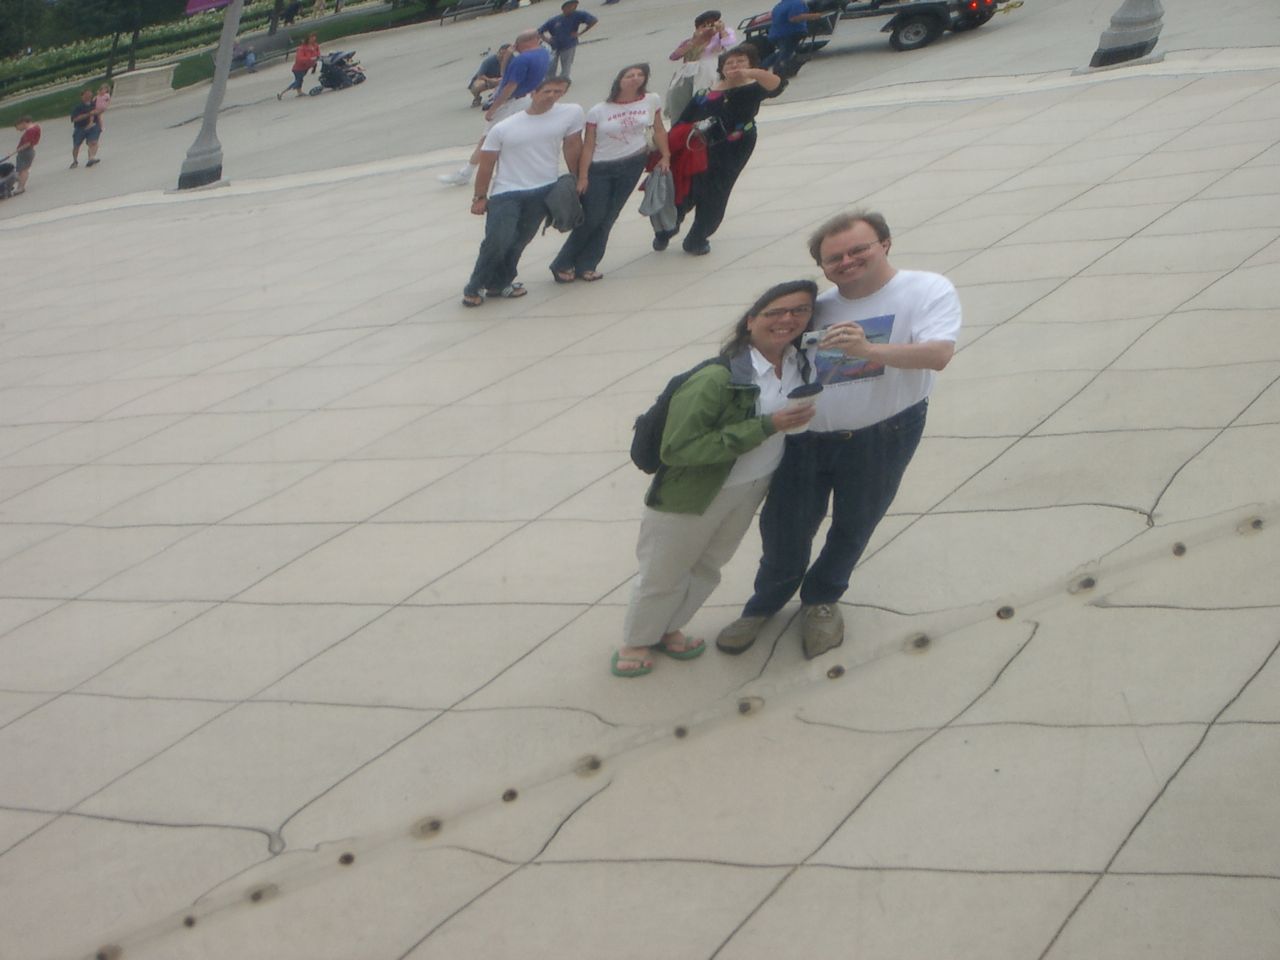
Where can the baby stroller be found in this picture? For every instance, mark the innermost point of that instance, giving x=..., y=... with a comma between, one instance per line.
x=8, y=179
x=337, y=72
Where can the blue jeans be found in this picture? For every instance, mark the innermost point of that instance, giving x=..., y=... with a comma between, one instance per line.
x=511, y=222
x=784, y=49
x=860, y=471
x=609, y=185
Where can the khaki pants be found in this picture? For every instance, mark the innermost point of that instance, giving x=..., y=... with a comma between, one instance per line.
x=680, y=558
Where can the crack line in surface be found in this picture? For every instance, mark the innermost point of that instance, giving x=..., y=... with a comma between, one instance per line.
x=1195, y=749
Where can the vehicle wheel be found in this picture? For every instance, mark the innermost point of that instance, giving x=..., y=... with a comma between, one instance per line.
x=915, y=32
x=316, y=90
x=972, y=21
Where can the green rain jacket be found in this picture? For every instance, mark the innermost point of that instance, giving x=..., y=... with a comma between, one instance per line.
x=711, y=422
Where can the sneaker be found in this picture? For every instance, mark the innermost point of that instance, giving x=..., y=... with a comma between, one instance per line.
x=74, y=164
x=92, y=162
x=821, y=628
x=738, y=636
x=697, y=249
x=279, y=96
x=660, y=243
x=455, y=179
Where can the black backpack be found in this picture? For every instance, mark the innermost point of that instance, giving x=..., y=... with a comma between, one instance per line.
x=646, y=442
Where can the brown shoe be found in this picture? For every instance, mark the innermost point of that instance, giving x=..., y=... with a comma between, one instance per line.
x=821, y=628
x=738, y=636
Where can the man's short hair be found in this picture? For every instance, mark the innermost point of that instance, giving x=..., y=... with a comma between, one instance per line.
x=547, y=81
x=524, y=36
x=711, y=16
x=568, y=3
x=25, y=118
x=842, y=222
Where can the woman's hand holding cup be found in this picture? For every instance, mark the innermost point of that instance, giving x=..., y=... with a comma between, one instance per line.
x=793, y=416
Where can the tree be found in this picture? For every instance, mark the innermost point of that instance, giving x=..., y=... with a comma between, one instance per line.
x=21, y=25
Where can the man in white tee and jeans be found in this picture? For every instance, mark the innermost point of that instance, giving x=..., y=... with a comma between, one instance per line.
x=885, y=333
x=525, y=149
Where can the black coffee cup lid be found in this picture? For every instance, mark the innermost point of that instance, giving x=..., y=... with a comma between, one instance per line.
x=805, y=390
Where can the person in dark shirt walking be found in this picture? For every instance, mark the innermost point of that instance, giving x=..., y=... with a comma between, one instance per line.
x=85, y=128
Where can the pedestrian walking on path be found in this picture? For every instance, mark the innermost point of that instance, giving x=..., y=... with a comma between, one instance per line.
x=614, y=151
x=305, y=59
x=721, y=443
x=886, y=332
x=24, y=154
x=562, y=33
x=85, y=129
x=725, y=117
x=525, y=150
x=524, y=72
x=698, y=57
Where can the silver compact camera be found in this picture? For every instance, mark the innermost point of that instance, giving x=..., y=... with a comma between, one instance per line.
x=810, y=338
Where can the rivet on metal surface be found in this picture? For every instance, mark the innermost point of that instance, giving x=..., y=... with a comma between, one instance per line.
x=347, y=859
x=264, y=892
x=1005, y=613
x=428, y=827
x=509, y=794
x=588, y=765
x=835, y=673
x=1179, y=549
x=188, y=921
x=920, y=641
x=681, y=732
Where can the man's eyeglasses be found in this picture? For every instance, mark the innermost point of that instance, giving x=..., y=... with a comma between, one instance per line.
x=860, y=250
x=777, y=313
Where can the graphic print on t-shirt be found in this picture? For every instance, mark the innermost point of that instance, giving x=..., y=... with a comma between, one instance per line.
x=834, y=367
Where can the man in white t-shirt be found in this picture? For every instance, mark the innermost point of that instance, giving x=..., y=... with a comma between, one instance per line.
x=519, y=163
x=886, y=333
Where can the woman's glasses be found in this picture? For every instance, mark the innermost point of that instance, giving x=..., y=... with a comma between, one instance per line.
x=777, y=313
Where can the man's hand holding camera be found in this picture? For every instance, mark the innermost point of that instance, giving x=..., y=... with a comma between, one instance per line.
x=850, y=339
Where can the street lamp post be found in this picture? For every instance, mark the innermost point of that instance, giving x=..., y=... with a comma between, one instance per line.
x=1133, y=33
x=203, y=164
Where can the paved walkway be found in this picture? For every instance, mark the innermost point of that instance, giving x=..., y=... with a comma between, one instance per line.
x=309, y=576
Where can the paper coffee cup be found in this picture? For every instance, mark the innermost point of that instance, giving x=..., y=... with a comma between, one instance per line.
x=805, y=395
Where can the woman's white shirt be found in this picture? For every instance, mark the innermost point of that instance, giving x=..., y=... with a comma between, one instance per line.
x=764, y=459
x=622, y=128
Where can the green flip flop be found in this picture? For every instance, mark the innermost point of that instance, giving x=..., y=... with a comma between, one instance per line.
x=695, y=648
x=639, y=671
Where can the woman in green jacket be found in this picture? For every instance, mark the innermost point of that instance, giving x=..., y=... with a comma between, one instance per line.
x=720, y=445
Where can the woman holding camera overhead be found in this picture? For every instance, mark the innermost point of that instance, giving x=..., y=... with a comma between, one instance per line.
x=698, y=57
x=720, y=444
x=724, y=118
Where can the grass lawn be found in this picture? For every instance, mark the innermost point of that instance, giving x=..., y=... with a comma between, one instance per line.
x=199, y=66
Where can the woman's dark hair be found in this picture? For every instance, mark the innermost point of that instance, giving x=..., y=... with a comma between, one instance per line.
x=702, y=19
x=741, y=50
x=616, y=90
x=740, y=337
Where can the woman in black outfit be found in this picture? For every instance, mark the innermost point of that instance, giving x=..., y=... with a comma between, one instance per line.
x=731, y=105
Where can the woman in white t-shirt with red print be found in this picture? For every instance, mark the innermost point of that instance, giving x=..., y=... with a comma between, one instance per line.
x=614, y=152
